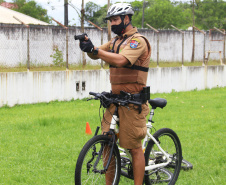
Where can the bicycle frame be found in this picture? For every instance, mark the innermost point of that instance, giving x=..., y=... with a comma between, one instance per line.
x=98, y=154
x=148, y=136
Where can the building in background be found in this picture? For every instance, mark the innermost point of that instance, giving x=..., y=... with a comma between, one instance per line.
x=7, y=16
x=9, y=5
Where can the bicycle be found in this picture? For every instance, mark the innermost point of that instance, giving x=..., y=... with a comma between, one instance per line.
x=100, y=156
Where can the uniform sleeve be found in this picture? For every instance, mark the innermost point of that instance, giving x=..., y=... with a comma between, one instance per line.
x=134, y=49
x=104, y=47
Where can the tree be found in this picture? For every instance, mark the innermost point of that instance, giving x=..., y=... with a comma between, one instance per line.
x=210, y=13
x=32, y=9
x=161, y=14
x=137, y=7
x=96, y=14
x=90, y=9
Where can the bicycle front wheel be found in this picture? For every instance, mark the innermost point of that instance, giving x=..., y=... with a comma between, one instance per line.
x=170, y=143
x=92, y=160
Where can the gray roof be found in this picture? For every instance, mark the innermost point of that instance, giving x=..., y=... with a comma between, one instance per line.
x=6, y=16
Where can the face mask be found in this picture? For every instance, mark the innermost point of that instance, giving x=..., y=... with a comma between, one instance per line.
x=118, y=29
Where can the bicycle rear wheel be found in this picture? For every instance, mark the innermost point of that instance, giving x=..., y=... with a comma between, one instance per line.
x=92, y=161
x=170, y=143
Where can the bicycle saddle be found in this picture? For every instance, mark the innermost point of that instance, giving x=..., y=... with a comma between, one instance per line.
x=157, y=102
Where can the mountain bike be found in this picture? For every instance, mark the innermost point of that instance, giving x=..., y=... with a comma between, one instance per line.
x=101, y=156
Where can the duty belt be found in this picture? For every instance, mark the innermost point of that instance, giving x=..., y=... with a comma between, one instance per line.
x=141, y=97
x=135, y=97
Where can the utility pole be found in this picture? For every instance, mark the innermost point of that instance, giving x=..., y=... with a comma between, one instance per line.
x=193, y=30
x=83, y=30
x=82, y=16
x=143, y=14
x=109, y=25
x=66, y=12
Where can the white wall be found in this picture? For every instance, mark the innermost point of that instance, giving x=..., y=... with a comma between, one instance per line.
x=43, y=39
x=35, y=87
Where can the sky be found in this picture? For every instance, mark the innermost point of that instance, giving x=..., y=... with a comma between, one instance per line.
x=58, y=11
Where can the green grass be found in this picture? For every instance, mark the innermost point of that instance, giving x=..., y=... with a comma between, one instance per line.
x=39, y=144
x=23, y=68
x=179, y=64
x=51, y=68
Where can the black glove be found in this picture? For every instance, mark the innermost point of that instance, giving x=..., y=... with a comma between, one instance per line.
x=86, y=46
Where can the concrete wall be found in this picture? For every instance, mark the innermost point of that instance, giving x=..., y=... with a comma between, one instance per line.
x=43, y=39
x=35, y=87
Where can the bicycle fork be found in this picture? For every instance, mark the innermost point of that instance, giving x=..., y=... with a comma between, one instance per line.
x=112, y=132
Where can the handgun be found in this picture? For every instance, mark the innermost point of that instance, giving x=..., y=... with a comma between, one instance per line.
x=80, y=37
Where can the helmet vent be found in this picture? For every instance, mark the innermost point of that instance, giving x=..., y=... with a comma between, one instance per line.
x=113, y=9
x=120, y=10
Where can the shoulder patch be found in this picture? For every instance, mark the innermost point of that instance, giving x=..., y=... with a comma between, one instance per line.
x=134, y=43
x=136, y=39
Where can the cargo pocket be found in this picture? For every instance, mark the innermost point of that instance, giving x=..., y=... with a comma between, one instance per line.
x=139, y=129
x=139, y=123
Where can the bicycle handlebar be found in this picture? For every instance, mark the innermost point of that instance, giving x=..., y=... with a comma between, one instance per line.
x=94, y=94
x=118, y=101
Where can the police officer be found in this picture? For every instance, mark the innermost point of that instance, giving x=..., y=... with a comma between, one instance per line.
x=128, y=55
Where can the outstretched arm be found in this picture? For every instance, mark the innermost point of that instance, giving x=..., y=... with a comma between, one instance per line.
x=110, y=58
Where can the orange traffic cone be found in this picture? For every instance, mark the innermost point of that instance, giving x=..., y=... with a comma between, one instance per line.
x=88, y=129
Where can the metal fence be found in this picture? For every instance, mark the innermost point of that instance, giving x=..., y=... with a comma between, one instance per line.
x=35, y=45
